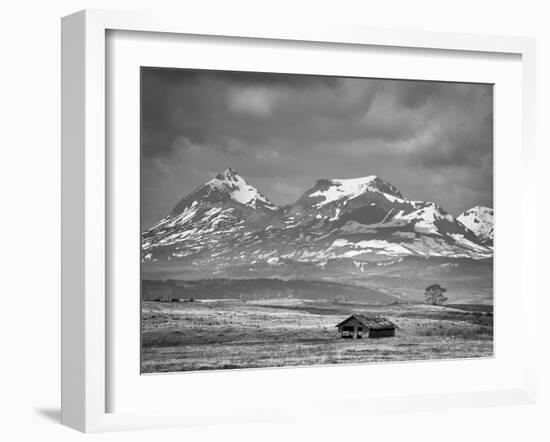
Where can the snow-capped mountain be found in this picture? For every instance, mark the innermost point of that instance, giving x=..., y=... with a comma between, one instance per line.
x=227, y=222
x=212, y=213
x=479, y=220
x=364, y=204
x=227, y=186
x=368, y=215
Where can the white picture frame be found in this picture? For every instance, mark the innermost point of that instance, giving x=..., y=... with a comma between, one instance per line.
x=86, y=201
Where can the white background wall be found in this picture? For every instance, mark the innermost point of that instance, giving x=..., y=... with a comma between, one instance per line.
x=30, y=220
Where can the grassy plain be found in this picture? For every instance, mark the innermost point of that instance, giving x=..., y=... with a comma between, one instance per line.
x=225, y=334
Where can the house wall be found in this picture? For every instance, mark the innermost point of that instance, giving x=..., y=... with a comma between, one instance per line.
x=385, y=333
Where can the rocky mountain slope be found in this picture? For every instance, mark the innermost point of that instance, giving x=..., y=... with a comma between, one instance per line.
x=479, y=220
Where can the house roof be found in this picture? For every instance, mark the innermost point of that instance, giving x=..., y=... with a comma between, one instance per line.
x=372, y=322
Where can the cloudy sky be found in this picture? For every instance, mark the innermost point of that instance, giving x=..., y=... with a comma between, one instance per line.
x=432, y=140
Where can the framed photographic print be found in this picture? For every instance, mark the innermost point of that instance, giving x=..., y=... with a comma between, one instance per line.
x=305, y=255
x=270, y=209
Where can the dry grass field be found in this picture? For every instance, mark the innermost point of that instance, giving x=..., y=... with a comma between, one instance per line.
x=225, y=334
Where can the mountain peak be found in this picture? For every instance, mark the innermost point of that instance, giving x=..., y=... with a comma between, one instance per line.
x=229, y=174
x=479, y=219
x=230, y=183
x=335, y=189
x=349, y=182
x=227, y=188
x=385, y=187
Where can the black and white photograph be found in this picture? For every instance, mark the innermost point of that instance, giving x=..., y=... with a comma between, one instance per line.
x=304, y=220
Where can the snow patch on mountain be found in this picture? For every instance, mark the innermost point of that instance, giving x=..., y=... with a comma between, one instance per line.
x=479, y=220
x=239, y=190
x=338, y=189
x=373, y=245
x=459, y=238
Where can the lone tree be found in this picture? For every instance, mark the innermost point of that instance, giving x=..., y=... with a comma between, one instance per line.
x=435, y=294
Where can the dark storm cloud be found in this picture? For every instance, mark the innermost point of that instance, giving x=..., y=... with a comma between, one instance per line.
x=282, y=132
x=414, y=94
x=214, y=108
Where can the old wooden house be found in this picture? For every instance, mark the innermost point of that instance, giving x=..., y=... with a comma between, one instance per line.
x=357, y=326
